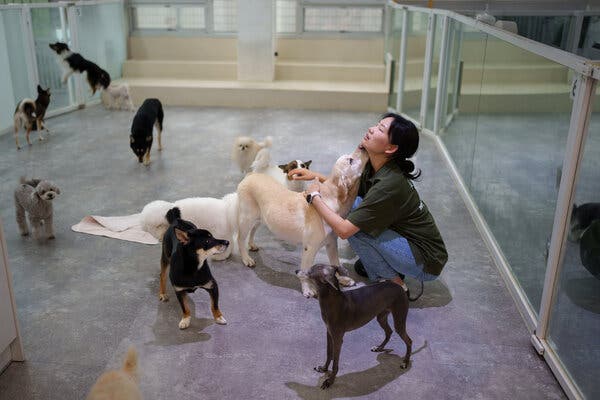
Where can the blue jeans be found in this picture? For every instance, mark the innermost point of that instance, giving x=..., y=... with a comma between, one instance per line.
x=387, y=255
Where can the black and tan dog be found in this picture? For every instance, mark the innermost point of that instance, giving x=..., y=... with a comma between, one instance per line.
x=149, y=114
x=186, y=249
x=30, y=115
x=349, y=310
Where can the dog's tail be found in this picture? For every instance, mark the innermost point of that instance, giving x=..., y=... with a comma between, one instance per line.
x=173, y=215
x=31, y=182
x=261, y=161
x=267, y=142
x=419, y=295
x=130, y=363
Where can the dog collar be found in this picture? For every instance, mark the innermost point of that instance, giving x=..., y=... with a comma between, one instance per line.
x=311, y=196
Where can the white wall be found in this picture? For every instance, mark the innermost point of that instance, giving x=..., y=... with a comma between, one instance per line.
x=7, y=103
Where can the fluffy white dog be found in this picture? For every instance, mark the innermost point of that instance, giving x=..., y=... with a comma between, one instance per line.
x=117, y=97
x=245, y=149
x=218, y=216
x=262, y=164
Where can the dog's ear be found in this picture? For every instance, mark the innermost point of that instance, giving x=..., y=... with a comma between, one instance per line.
x=149, y=138
x=341, y=270
x=283, y=167
x=57, y=190
x=39, y=89
x=343, y=184
x=182, y=236
x=331, y=279
x=307, y=163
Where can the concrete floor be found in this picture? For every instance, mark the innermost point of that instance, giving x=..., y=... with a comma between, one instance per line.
x=83, y=300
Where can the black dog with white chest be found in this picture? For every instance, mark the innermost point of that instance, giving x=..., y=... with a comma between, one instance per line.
x=149, y=114
x=186, y=249
x=349, y=310
x=74, y=62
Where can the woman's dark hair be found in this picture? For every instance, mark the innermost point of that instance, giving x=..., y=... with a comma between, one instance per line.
x=405, y=135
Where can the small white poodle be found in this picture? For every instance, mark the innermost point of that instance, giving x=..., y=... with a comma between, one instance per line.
x=218, y=216
x=117, y=97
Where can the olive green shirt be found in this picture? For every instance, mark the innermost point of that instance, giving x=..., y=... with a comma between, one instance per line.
x=390, y=201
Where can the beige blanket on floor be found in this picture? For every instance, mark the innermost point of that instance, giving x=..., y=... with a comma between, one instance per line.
x=127, y=227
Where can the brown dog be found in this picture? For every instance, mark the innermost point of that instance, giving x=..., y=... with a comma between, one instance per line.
x=349, y=310
x=119, y=384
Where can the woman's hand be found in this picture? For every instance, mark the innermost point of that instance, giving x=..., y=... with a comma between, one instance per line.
x=302, y=174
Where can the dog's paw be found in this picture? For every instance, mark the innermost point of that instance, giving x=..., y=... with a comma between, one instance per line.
x=146, y=162
x=308, y=293
x=51, y=237
x=345, y=280
x=24, y=233
x=321, y=369
x=221, y=320
x=253, y=247
x=248, y=261
x=327, y=382
x=185, y=322
x=18, y=148
x=404, y=364
x=163, y=297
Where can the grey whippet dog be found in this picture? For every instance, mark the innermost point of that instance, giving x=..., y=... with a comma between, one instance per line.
x=349, y=310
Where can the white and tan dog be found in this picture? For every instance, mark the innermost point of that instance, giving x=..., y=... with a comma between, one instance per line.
x=245, y=149
x=219, y=216
x=119, y=384
x=263, y=165
x=289, y=217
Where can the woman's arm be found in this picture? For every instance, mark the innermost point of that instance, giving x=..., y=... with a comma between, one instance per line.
x=303, y=174
x=342, y=227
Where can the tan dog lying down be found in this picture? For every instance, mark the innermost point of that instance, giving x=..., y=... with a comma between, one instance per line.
x=119, y=384
x=289, y=217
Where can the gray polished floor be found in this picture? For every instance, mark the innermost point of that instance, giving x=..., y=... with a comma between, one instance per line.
x=83, y=300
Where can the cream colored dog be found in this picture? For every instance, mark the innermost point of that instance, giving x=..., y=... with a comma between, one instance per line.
x=118, y=384
x=245, y=149
x=289, y=217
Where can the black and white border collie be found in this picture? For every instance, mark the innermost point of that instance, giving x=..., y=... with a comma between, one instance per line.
x=74, y=62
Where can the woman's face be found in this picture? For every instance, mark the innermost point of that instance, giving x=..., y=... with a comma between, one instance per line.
x=376, y=140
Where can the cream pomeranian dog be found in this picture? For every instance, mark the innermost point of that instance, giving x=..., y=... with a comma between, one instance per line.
x=218, y=216
x=245, y=149
x=121, y=384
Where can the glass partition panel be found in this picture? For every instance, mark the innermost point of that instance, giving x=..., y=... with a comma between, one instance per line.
x=415, y=60
x=552, y=30
x=574, y=326
x=21, y=87
x=590, y=37
x=522, y=127
x=49, y=26
x=460, y=132
x=450, y=105
x=435, y=65
x=392, y=46
x=101, y=35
